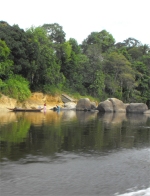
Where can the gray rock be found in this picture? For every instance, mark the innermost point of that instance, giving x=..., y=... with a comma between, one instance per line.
x=83, y=104
x=118, y=105
x=105, y=106
x=136, y=108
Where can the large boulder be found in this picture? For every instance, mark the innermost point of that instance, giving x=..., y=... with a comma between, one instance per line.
x=118, y=105
x=84, y=104
x=112, y=105
x=105, y=106
x=136, y=108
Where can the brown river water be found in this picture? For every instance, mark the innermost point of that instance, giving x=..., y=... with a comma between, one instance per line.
x=74, y=153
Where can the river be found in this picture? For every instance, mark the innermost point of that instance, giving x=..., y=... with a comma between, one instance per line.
x=74, y=153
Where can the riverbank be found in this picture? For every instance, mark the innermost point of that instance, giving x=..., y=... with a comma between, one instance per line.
x=34, y=101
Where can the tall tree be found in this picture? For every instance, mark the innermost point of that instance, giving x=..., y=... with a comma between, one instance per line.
x=44, y=69
x=5, y=62
x=56, y=35
x=103, y=39
x=120, y=77
x=73, y=64
x=93, y=69
x=17, y=42
x=55, y=32
x=131, y=42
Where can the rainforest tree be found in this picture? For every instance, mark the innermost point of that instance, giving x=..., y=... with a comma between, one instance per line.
x=41, y=58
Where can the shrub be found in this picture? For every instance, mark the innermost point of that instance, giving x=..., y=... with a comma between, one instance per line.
x=16, y=87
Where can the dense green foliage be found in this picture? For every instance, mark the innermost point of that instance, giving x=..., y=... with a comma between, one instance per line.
x=48, y=62
x=17, y=87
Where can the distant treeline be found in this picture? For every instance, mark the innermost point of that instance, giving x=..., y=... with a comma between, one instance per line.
x=41, y=59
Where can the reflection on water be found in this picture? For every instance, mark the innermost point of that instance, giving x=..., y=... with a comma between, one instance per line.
x=52, y=132
x=81, y=141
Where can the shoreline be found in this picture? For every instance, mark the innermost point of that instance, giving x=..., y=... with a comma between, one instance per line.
x=34, y=101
